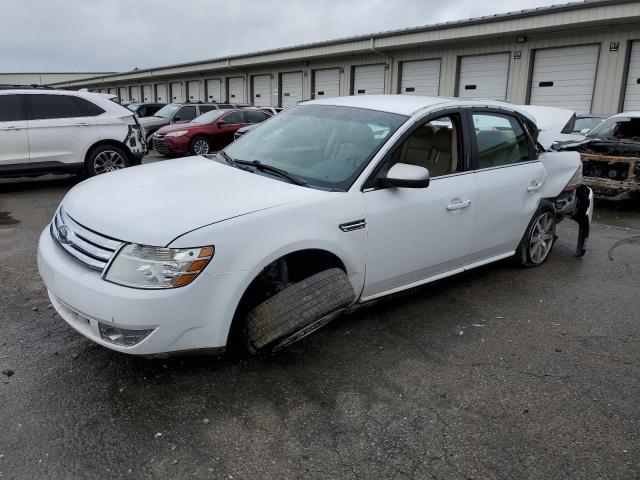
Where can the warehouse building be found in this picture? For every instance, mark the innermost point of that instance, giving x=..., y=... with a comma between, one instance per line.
x=584, y=56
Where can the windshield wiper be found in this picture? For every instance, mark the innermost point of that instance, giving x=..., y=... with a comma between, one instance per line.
x=268, y=168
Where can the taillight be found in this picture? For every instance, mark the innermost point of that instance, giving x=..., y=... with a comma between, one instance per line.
x=575, y=180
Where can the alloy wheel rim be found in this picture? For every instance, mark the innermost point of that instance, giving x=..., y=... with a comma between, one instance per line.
x=108, y=161
x=201, y=147
x=541, y=239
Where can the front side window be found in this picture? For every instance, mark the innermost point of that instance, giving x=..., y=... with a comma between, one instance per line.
x=12, y=108
x=326, y=146
x=434, y=146
x=206, y=108
x=500, y=140
x=185, y=114
x=234, y=118
x=256, y=117
x=43, y=106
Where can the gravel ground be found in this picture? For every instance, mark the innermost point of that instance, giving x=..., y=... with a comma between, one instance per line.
x=496, y=373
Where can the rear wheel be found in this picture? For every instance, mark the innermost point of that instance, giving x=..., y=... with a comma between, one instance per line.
x=199, y=146
x=538, y=240
x=298, y=310
x=106, y=158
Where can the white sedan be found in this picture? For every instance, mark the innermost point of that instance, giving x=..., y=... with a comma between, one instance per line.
x=326, y=206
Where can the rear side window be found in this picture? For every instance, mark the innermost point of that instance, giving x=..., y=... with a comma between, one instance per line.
x=43, y=107
x=234, y=117
x=500, y=140
x=206, y=108
x=12, y=108
x=256, y=117
x=185, y=114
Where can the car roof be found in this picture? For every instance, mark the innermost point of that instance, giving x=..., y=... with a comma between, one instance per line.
x=407, y=104
x=627, y=114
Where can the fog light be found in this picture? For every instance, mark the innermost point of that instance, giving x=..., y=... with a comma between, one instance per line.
x=120, y=336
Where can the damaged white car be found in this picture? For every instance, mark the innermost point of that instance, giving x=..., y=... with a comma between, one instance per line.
x=326, y=206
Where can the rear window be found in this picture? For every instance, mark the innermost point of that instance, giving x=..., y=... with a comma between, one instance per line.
x=42, y=107
x=11, y=108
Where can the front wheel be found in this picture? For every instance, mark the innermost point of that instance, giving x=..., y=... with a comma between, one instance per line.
x=298, y=310
x=199, y=146
x=538, y=240
x=106, y=158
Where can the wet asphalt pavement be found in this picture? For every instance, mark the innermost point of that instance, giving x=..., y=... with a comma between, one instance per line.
x=496, y=373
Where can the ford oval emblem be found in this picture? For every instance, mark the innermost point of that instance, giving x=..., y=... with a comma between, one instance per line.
x=64, y=233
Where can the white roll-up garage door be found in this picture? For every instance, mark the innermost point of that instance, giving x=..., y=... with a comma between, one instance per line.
x=369, y=79
x=261, y=90
x=291, y=88
x=161, y=92
x=236, y=90
x=147, y=93
x=135, y=93
x=421, y=77
x=193, y=91
x=564, y=77
x=632, y=90
x=176, y=92
x=484, y=76
x=113, y=91
x=214, y=90
x=326, y=83
x=123, y=94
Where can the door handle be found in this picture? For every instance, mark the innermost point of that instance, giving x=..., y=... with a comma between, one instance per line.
x=458, y=205
x=82, y=124
x=534, y=187
x=12, y=128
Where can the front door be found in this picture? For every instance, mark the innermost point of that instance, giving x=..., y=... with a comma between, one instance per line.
x=510, y=181
x=227, y=127
x=417, y=234
x=14, y=139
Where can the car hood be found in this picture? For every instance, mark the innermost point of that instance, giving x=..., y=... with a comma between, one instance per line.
x=178, y=126
x=153, y=121
x=156, y=203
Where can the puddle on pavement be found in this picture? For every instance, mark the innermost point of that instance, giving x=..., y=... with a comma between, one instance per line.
x=6, y=220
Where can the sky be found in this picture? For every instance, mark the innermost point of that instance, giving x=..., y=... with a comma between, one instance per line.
x=119, y=35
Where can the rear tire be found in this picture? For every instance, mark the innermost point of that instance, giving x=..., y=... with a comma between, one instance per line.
x=106, y=158
x=538, y=239
x=297, y=311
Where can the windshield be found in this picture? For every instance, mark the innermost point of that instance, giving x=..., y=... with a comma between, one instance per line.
x=617, y=128
x=326, y=146
x=208, y=117
x=166, y=111
x=586, y=122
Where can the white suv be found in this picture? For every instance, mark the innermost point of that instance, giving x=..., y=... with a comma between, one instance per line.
x=325, y=206
x=55, y=131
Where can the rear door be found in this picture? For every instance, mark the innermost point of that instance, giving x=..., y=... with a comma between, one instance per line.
x=509, y=179
x=61, y=127
x=14, y=140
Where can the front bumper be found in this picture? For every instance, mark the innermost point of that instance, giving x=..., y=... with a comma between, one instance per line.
x=197, y=316
x=168, y=145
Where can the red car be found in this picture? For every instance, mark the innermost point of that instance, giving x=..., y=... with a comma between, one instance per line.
x=209, y=132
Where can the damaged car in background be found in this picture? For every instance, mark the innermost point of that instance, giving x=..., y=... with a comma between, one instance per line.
x=611, y=157
x=268, y=239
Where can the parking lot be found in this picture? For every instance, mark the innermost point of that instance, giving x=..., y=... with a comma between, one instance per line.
x=497, y=373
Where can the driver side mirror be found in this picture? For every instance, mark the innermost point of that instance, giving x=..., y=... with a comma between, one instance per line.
x=403, y=175
x=220, y=123
x=584, y=131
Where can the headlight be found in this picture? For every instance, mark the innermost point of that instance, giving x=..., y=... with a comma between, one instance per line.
x=142, y=266
x=179, y=133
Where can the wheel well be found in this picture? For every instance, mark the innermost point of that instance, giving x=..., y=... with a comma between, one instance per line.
x=276, y=276
x=113, y=143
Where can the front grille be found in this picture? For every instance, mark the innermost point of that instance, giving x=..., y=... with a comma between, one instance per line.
x=159, y=144
x=90, y=248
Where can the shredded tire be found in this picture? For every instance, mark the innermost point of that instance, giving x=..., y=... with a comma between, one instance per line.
x=298, y=310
